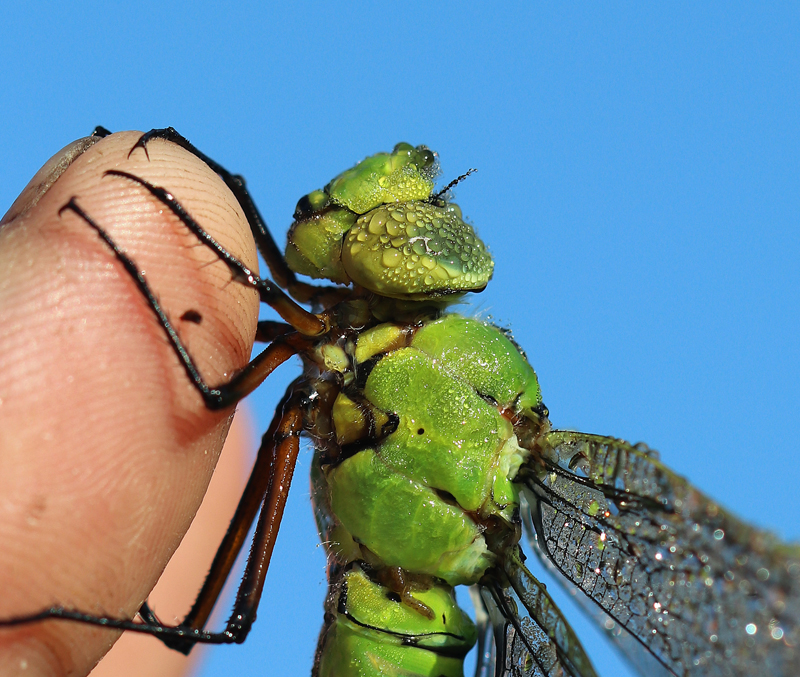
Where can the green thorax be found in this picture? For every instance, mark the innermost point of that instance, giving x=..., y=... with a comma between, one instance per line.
x=377, y=225
x=433, y=446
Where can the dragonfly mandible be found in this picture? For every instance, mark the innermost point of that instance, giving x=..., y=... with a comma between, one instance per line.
x=434, y=452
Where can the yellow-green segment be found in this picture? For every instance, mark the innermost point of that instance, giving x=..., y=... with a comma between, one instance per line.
x=378, y=226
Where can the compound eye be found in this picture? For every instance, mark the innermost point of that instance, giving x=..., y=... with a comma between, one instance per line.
x=427, y=157
x=403, y=147
x=311, y=203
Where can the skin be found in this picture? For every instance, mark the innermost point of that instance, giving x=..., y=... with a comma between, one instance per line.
x=106, y=449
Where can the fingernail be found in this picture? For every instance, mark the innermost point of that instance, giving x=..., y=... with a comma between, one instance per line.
x=46, y=177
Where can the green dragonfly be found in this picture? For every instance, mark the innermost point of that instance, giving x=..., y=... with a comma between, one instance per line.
x=433, y=455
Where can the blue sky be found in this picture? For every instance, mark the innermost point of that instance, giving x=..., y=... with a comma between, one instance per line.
x=638, y=186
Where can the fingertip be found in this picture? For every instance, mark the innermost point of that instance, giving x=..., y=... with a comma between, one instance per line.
x=46, y=177
x=109, y=447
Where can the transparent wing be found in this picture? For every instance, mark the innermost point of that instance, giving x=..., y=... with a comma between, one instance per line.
x=485, y=664
x=638, y=656
x=531, y=637
x=705, y=593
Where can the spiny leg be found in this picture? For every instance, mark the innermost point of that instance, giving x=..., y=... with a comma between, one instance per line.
x=268, y=487
x=246, y=380
x=280, y=271
x=268, y=330
x=305, y=322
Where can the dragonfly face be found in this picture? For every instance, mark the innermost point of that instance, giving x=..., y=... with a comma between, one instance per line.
x=433, y=451
x=376, y=226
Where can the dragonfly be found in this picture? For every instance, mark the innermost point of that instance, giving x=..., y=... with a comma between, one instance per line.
x=433, y=456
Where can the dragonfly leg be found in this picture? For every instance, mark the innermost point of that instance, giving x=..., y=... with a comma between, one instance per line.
x=268, y=485
x=226, y=394
x=268, y=330
x=280, y=271
x=259, y=368
x=304, y=321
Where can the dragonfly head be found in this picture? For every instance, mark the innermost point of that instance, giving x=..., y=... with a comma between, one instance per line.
x=378, y=225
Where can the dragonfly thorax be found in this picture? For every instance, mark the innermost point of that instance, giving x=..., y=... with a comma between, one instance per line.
x=428, y=449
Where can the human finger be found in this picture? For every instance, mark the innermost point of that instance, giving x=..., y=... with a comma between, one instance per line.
x=105, y=447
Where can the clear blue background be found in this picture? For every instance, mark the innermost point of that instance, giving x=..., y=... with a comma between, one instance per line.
x=637, y=185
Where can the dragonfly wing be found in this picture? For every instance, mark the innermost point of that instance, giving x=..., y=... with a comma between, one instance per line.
x=705, y=593
x=531, y=637
x=638, y=656
x=485, y=664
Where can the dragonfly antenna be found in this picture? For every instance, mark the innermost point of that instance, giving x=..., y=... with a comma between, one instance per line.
x=453, y=184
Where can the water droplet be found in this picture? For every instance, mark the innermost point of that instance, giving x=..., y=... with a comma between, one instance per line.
x=391, y=258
